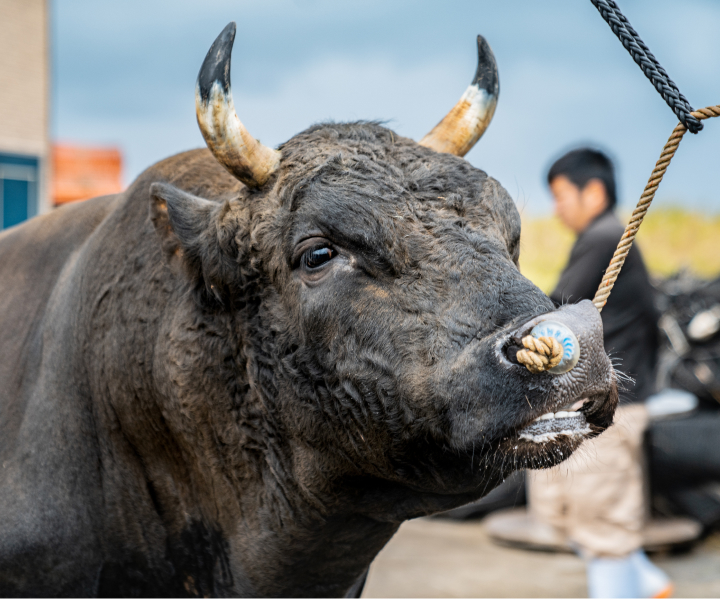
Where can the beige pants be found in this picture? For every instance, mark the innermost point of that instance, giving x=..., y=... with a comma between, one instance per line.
x=596, y=497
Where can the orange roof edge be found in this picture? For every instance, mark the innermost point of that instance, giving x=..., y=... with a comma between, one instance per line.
x=82, y=172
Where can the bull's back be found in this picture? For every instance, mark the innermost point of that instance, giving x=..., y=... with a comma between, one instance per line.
x=32, y=257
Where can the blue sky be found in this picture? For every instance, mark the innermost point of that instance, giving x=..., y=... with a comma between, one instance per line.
x=124, y=74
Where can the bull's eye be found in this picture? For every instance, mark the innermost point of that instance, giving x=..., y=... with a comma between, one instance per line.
x=317, y=257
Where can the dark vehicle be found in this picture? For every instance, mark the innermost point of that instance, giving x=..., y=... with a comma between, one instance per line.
x=684, y=453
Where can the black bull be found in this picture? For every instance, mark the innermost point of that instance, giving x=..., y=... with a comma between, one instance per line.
x=208, y=389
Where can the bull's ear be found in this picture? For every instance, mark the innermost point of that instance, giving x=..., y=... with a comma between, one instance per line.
x=196, y=232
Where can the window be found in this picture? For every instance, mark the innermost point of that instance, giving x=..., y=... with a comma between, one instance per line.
x=18, y=189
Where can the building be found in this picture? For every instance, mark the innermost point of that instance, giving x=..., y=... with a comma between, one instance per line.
x=81, y=172
x=24, y=110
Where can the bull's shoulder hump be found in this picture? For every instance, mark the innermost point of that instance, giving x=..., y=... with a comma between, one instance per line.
x=50, y=237
x=32, y=256
x=195, y=171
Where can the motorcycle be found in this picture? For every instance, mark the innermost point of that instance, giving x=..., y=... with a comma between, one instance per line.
x=682, y=449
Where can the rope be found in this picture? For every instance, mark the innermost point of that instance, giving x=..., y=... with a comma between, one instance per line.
x=626, y=241
x=541, y=353
x=641, y=54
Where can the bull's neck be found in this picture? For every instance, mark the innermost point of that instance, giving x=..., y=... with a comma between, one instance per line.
x=314, y=558
x=300, y=534
x=274, y=532
x=207, y=481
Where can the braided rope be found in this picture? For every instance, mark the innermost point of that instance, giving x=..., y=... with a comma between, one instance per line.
x=645, y=59
x=540, y=354
x=628, y=237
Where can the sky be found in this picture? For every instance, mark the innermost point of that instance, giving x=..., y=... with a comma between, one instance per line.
x=124, y=75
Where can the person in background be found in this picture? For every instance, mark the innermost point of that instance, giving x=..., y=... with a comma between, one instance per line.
x=596, y=499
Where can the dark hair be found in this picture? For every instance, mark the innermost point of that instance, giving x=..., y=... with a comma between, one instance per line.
x=584, y=164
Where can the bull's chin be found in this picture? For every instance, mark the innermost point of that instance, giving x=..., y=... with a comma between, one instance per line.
x=550, y=438
x=542, y=442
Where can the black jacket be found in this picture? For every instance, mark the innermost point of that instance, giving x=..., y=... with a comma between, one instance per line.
x=629, y=317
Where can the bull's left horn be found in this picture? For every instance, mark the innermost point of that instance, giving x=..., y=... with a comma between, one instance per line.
x=470, y=117
x=228, y=140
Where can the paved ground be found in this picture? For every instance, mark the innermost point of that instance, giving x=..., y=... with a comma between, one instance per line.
x=440, y=558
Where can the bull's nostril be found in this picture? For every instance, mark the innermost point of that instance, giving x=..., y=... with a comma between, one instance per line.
x=564, y=335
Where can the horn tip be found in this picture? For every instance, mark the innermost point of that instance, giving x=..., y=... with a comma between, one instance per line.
x=216, y=66
x=486, y=75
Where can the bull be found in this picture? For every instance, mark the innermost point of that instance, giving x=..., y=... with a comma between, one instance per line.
x=242, y=374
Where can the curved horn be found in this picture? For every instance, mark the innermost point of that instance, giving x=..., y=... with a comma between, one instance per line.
x=470, y=117
x=228, y=140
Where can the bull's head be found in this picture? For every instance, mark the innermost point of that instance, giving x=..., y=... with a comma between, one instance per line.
x=374, y=309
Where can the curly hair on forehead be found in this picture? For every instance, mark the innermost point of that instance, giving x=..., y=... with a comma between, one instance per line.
x=377, y=159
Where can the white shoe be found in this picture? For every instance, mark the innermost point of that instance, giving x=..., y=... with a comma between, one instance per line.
x=653, y=581
x=612, y=578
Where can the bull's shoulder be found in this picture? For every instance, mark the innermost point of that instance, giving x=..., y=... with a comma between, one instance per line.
x=32, y=258
x=33, y=254
x=46, y=240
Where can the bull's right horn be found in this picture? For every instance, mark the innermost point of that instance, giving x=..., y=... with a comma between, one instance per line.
x=470, y=117
x=228, y=140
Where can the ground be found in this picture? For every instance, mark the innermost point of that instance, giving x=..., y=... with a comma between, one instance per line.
x=441, y=558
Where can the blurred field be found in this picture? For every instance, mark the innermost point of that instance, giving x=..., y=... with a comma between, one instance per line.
x=670, y=239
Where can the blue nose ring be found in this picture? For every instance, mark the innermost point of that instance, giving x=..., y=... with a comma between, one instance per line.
x=563, y=334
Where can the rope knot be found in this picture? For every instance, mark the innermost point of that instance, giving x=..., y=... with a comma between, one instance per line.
x=540, y=354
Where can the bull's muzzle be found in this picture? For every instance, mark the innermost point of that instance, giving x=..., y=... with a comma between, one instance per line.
x=579, y=389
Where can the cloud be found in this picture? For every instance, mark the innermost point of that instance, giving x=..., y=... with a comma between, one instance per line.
x=125, y=74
